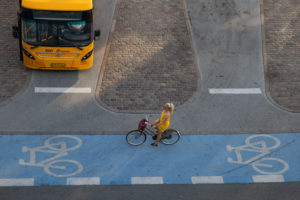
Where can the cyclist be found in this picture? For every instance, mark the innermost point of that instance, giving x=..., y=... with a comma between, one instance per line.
x=163, y=122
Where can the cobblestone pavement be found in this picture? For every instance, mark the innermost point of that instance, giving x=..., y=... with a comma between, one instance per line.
x=282, y=52
x=149, y=58
x=13, y=75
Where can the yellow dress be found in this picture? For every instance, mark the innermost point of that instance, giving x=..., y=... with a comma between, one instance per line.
x=165, y=125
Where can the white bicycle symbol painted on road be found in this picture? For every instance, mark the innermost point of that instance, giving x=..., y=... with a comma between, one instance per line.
x=58, y=145
x=258, y=144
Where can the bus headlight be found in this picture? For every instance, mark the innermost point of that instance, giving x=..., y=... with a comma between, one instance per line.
x=28, y=54
x=87, y=55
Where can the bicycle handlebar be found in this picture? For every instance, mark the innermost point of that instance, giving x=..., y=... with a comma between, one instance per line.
x=148, y=123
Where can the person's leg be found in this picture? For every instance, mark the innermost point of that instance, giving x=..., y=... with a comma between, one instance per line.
x=155, y=122
x=158, y=137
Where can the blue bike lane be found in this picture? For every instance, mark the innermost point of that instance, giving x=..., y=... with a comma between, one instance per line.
x=109, y=160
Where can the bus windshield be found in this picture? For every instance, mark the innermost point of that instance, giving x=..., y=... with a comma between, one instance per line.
x=56, y=28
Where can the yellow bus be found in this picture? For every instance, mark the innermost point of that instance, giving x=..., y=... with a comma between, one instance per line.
x=56, y=34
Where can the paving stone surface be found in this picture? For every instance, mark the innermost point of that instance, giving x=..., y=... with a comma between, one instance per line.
x=149, y=58
x=13, y=75
x=282, y=52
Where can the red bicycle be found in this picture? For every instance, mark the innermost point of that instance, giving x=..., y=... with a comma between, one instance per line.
x=139, y=136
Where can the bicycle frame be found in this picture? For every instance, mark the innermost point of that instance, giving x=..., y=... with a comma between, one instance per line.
x=149, y=131
x=44, y=149
x=262, y=152
x=143, y=128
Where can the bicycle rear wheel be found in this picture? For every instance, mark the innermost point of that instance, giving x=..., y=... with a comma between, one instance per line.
x=170, y=136
x=135, y=137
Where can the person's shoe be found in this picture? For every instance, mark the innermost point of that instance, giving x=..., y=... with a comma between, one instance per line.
x=153, y=144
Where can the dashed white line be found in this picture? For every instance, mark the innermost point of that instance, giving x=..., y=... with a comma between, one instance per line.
x=17, y=182
x=62, y=90
x=267, y=178
x=83, y=181
x=141, y=180
x=146, y=180
x=207, y=179
x=235, y=91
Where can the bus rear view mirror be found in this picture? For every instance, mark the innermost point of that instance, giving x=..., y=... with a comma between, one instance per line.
x=15, y=31
x=97, y=34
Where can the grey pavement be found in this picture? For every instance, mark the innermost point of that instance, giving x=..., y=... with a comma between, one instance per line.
x=228, y=44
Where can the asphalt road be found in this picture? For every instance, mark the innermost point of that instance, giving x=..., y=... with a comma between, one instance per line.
x=228, y=45
x=289, y=191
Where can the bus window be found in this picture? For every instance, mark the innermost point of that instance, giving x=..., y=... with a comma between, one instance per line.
x=49, y=28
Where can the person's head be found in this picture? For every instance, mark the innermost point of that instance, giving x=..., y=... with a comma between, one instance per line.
x=169, y=107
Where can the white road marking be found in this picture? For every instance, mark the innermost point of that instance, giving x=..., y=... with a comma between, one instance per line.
x=58, y=146
x=206, y=179
x=235, y=91
x=62, y=90
x=267, y=178
x=83, y=181
x=261, y=145
x=147, y=180
x=265, y=163
x=113, y=26
x=17, y=182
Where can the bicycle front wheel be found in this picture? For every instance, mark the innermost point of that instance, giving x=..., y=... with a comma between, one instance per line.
x=170, y=136
x=135, y=137
x=63, y=168
x=270, y=166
